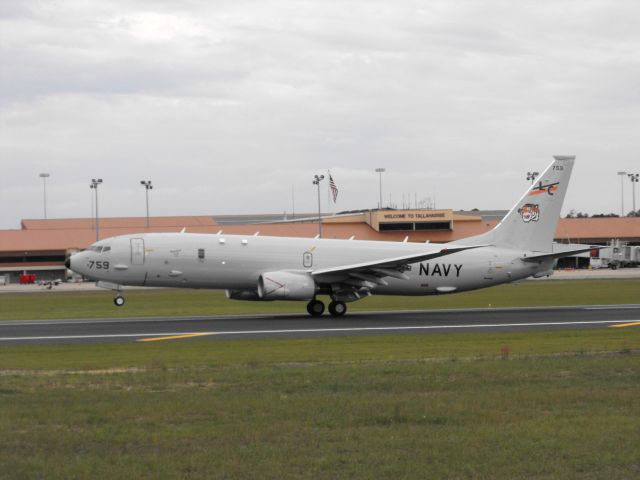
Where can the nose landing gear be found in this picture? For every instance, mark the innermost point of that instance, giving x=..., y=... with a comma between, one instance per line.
x=118, y=300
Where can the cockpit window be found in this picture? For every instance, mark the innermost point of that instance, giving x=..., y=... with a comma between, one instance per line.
x=99, y=248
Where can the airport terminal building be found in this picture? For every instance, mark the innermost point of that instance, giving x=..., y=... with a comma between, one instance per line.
x=40, y=247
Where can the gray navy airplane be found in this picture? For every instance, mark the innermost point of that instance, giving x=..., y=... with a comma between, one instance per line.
x=279, y=268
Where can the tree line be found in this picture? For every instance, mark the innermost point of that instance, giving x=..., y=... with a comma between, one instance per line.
x=575, y=214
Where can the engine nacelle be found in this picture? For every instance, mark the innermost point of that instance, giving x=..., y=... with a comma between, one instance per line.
x=286, y=286
x=242, y=295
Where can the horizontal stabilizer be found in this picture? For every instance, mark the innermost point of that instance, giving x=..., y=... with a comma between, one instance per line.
x=553, y=256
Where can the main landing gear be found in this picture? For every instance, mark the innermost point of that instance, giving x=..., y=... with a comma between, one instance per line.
x=336, y=309
x=315, y=308
x=118, y=300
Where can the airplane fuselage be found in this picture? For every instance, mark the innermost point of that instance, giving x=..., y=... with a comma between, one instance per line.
x=235, y=262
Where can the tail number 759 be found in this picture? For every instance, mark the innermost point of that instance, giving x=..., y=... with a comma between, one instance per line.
x=98, y=265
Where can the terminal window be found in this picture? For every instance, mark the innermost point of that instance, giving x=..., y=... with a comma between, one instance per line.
x=433, y=226
x=386, y=227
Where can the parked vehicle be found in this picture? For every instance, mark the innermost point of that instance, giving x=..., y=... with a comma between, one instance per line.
x=616, y=255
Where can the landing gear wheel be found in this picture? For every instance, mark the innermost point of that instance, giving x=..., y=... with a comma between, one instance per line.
x=337, y=309
x=118, y=301
x=315, y=308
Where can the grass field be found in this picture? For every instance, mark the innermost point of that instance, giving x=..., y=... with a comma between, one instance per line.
x=60, y=305
x=525, y=405
x=560, y=405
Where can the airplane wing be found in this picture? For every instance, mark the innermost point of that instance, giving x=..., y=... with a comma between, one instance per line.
x=374, y=271
x=553, y=256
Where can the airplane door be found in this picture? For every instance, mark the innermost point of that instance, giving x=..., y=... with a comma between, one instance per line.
x=496, y=269
x=137, y=251
x=489, y=274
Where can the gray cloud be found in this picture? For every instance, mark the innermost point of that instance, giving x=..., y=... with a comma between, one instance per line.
x=227, y=105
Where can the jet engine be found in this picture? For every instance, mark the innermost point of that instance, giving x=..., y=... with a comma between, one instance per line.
x=242, y=295
x=286, y=286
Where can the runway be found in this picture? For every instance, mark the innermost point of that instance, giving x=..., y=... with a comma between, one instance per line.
x=298, y=326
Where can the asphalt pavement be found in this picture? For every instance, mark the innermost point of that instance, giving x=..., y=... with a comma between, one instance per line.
x=300, y=326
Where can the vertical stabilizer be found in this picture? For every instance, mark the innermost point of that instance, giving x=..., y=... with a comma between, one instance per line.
x=531, y=224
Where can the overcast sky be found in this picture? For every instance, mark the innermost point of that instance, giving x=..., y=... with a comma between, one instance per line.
x=229, y=105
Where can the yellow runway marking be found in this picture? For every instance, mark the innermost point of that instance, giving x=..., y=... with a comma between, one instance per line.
x=174, y=337
x=632, y=324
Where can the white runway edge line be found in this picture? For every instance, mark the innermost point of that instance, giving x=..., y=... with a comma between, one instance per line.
x=620, y=307
x=315, y=330
x=93, y=321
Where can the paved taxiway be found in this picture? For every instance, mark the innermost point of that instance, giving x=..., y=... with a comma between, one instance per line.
x=299, y=326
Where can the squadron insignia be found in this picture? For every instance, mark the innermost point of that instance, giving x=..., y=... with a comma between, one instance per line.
x=530, y=212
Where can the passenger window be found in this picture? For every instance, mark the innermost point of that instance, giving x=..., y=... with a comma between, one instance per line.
x=201, y=253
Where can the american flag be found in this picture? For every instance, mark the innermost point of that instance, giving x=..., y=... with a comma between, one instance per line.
x=334, y=189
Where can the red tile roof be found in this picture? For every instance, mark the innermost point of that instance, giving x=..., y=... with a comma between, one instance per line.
x=65, y=234
x=576, y=229
x=78, y=233
x=139, y=223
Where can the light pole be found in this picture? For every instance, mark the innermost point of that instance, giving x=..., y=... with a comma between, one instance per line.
x=316, y=181
x=44, y=177
x=380, y=171
x=634, y=179
x=94, y=185
x=147, y=186
x=532, y=176
x=622, y=174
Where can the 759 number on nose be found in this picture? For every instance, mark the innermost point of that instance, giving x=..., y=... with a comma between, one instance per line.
x=98, y=265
